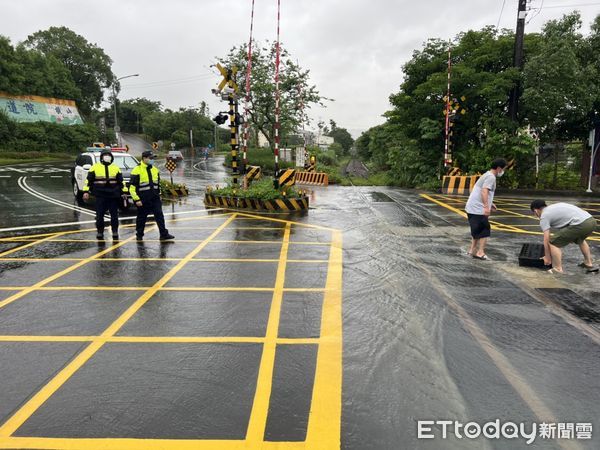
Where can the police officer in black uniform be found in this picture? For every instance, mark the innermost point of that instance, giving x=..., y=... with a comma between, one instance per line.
x=144, y=187
x=105, y=182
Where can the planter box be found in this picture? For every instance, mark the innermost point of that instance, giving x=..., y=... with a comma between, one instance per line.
x=256, y=204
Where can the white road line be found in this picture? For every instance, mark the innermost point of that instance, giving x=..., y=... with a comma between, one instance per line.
x=86, y=222
x=23, y=185
x=5, y=176
x=57, y=176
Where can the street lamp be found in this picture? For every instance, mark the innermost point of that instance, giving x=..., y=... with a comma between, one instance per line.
x=117, y=129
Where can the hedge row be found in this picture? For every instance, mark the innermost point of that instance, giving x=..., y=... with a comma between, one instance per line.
x=45, y=136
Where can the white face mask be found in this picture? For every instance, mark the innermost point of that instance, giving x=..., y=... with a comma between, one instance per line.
x=150, y=162
x=500, y=174
x=107, y=158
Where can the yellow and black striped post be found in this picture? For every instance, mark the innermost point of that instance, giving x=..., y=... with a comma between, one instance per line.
x=454, y=171
x=287, y=178
x=252, y=173
x=459, y=185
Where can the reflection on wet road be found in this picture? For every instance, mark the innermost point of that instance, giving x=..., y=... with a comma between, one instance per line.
x=255, y=331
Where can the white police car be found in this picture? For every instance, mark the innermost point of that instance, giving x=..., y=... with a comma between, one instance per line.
x=87, y=159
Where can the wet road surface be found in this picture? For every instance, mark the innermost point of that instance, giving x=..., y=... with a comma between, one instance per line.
x=341, y=328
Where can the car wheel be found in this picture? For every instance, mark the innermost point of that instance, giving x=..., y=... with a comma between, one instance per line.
x=76, y=192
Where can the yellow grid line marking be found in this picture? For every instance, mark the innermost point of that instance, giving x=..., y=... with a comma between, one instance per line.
x=272, y=242
x=260, y=406
x=498, y=225
x=220, y=241
x=54, y=277
x=140, y=444
x=318, y=432
x=324, y=422
x=35, y=242
x=140, y=288
x=232, y=228
x=242, y=216
x=17, y=419
x=244, y=260
x=158, y=339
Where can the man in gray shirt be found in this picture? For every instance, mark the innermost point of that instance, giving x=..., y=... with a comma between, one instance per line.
x=563, y=224
x=479, y=207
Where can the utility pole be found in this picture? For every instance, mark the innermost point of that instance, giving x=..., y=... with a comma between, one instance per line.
x=447, y=149
x=513, y=105
x=116, y=126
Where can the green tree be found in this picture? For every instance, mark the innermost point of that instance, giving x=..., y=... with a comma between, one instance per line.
x=89, y=66
x=132, y=112
x=29, y=72
x=560, y=86
x=294, y=85
x=341, y=136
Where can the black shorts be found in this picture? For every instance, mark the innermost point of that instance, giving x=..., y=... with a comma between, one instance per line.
x=480, y=226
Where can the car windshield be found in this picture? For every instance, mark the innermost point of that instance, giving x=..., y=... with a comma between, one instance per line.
x=125, y=162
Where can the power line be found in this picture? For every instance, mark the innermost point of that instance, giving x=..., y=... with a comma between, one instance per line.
x=572, y=6
x=501, y=11
x=171, y=81
x=538, y=10
x=126, y=87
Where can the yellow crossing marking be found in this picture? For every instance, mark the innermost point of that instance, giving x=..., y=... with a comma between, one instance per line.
x=69, y=269
x=324, y=418
x=17, y=419
x=158, y=339
x=260, y=406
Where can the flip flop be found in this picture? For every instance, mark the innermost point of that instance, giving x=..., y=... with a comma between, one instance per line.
x=585, y=266
x=483, y=258
x=554, y=272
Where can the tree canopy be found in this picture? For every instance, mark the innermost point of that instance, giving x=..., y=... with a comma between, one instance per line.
x=29, y=72
x=560, y=95
x=341, y=136
x=89, y=66
x=296, y=92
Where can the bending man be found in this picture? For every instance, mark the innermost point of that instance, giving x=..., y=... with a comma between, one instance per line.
x=564, y=224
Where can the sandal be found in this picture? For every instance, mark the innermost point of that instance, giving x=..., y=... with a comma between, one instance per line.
x=483, y=258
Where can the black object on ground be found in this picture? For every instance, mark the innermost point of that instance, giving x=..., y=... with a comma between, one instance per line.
x=532, y=255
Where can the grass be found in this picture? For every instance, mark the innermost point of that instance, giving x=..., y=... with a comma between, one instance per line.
x=376, y=179
x=7, y=158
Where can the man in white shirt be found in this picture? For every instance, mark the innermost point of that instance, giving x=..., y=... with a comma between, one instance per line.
x=479, y=207
x=564, y=224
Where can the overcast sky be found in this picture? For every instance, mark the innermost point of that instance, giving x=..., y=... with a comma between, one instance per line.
x=354, y=49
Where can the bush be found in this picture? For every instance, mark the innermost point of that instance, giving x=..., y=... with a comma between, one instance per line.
x=45, y=137
x=262, y=189
x=565, y=178
x=333, y=173
x=260, y=157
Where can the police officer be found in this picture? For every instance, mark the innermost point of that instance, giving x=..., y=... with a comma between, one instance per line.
x=105, y=181
x=144, y=187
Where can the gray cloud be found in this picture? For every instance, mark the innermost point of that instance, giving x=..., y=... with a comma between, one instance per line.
x=354, y=49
